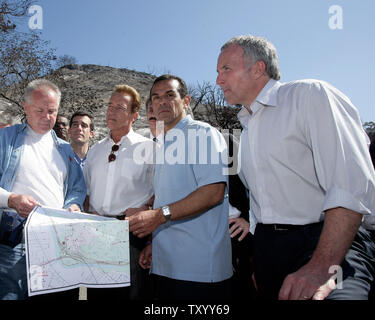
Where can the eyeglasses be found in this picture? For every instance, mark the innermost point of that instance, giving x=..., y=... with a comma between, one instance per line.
x=112, y=156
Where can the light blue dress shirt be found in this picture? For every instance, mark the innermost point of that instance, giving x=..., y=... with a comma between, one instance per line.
x=197, y=248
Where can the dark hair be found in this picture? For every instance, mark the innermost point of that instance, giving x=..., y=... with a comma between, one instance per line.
x=182, y=88
x=82, y=114
x=62, y=115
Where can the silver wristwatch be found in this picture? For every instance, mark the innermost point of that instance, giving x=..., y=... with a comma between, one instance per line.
x=166, y=212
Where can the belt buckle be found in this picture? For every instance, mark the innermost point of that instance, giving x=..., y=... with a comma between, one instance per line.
x=277, y=228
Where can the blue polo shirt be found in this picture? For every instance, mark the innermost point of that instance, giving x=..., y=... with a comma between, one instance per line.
x=198, y=248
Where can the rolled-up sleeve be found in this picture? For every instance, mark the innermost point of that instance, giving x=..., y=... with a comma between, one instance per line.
x=340, y=150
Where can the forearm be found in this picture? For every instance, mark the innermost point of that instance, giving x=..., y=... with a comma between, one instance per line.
x=198, y=201
x=340, y=227
x=313, y=280
x=145, y=222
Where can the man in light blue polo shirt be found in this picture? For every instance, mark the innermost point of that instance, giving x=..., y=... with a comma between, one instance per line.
x=191, y=250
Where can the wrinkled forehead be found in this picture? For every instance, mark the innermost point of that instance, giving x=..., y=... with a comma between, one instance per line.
x=44, y=94
x=120, y=98
x=232, y=53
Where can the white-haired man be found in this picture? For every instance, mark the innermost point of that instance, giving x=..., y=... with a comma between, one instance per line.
x=36, y=168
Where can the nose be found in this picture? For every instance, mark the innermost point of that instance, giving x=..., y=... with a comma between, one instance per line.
x=219, y=79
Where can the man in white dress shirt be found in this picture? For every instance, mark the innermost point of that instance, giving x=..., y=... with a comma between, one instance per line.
x=305, y=160
x=117, y=181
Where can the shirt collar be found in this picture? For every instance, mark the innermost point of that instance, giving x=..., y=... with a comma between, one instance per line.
x=130, y=136
x=266, y=97
x=183, y=122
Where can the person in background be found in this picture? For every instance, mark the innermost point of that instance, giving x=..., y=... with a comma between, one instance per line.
x=61, y=127
x=81, y=130
x=151, y=119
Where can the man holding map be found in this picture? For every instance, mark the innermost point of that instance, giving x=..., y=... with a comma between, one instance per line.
x=36, y=169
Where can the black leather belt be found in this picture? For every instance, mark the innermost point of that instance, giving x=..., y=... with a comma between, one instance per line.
x=120, y=217
x=286, y=227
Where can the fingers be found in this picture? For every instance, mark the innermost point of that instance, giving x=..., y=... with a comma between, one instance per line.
x=295, y=288
x=235, y=230
x=243, y=235
x=145, y=257
x=23, y=204
x=74, y=207
x=131, y=211
x=239, y=226
x=143, y=223
x=305, y=285
x=324, y=290
x=142, y=260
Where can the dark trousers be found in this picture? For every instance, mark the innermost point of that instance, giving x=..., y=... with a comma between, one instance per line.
x=278, y=253
x=243, y=268
x=172, y=290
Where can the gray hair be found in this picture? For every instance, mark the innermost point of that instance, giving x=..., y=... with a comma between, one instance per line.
x=258, y=49
x=38, y=84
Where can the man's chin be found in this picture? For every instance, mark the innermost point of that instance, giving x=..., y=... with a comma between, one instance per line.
x=42, y=130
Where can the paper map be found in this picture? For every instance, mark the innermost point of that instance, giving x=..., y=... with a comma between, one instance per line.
x=66, y=250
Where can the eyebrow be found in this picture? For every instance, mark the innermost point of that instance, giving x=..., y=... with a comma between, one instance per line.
x=169, y=91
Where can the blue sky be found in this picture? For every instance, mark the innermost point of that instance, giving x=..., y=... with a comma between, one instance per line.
x=184, y=37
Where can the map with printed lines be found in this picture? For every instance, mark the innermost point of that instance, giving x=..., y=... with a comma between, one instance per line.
x=66, y=250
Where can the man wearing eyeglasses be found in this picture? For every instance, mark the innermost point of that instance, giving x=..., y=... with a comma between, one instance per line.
x=116, y=181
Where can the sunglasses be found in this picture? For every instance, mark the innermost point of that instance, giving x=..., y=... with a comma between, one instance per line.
x=112, y=156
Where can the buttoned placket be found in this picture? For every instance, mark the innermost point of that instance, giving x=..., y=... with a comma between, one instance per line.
x=254, y=168
x=112, y=171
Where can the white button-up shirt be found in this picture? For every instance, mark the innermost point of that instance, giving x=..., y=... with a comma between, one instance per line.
x=303, y=150
x=123, y=183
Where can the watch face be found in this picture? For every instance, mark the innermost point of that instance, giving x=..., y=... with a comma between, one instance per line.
x=166, y=212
